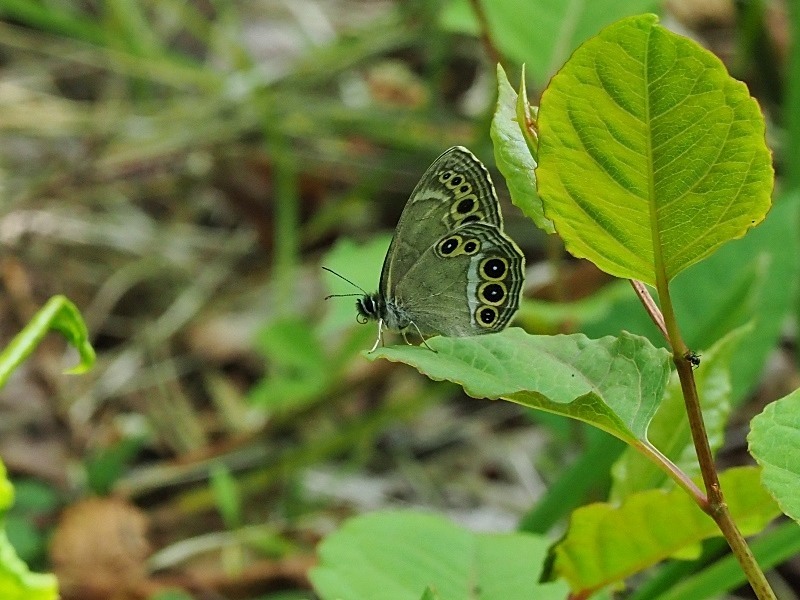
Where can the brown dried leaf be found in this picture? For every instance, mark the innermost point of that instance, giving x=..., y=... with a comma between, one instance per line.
x=99, y=550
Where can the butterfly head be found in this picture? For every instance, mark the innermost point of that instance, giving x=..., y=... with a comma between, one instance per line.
x=370, y=307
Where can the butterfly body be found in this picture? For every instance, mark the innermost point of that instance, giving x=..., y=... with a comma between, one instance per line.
x=373, y=307
x=450, y=268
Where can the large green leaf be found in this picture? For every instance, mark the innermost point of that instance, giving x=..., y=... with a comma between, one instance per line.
x=16, y=581
x=774, y=441
x=541, y=33
x=512, y=155
x=612, y=383
x=669, y=429
x=398, y=555
x=606, y=543
x=651, y=156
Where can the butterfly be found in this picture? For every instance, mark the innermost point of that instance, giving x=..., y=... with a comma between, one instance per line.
x=450, y=269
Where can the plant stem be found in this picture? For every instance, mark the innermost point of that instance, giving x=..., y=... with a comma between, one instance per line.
x=486, y=35
x=650, y=306
x=716, y=507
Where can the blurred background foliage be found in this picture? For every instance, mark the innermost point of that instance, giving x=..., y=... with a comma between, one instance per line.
x=181, y=169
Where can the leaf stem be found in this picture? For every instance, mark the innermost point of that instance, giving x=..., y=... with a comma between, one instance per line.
x=715, y=505
x=671, y=469
x=650, y=306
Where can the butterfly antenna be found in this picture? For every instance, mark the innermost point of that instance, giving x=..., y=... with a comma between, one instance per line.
x=348, y=281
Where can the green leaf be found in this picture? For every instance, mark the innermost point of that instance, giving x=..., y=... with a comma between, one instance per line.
x=427, y=551
x=16, y=581
x=297, y=371
x=713, y=297
x=6, y=492
x=104, y=466
x=541, y=33
x=513, y=156
x=606, y=543
x=59, y=314
x=429, y=594
x=774, y=442
x=650, y=155
x=612, y=383
x=226, y=495
x=63, y=20
x=34, y=503
x=669, y=429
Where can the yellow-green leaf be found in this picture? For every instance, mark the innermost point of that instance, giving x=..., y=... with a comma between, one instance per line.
x=606, y=543
x=651, y=156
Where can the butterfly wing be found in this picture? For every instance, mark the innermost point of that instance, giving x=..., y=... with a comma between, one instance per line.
x=455, y=190
x=468, y=282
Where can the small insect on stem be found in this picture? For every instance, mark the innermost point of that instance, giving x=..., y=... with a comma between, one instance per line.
x=693, y=357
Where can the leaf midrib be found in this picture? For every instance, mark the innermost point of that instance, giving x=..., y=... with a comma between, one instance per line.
x=655, y=234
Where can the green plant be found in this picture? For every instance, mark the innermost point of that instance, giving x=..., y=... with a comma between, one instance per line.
x=649, y=158
x=16, y=581
x=59, y=314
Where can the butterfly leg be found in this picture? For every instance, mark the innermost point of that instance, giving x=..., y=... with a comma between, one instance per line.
x=420, y=337
x=380, y=335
